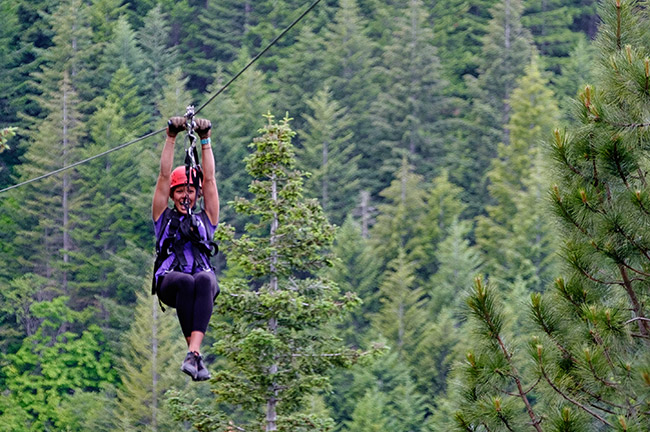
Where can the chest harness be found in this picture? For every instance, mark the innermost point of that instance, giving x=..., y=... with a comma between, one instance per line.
x=181, y=231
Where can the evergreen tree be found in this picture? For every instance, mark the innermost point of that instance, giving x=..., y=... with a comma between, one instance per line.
x=400, y=218
x=458, y=26
x=576, y=73
x=444, y=209
x=410, y=110
x=272, y=336
x=302, y=74
x=148, y=369
x=402, y=318
x=592, y=354
x=233, y=121
x=495, y=393
x=348, y=72
x=115, y=199
x=160, y=60
x=356, y=270
x=327, y=153
x=506, y=50
x=551, y=25
x=514, y=236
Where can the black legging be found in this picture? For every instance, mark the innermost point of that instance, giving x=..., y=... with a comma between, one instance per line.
x=192, y=296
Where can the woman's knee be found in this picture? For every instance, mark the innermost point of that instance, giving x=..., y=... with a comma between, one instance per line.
x=206, y=282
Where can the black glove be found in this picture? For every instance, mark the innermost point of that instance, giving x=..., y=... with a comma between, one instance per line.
x=175, y=125
x=202, y=127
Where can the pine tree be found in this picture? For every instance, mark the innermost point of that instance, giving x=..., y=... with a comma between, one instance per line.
x=592, y=353
x=327, y=153
x=272, y=333
x=495, y=393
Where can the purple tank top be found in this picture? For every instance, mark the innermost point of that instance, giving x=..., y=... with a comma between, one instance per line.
x=206, y=231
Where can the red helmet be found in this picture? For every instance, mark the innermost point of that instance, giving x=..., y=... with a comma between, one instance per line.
x=179, y=177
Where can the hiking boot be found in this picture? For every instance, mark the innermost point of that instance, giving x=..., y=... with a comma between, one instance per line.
x=189, y=365
x=202, y=373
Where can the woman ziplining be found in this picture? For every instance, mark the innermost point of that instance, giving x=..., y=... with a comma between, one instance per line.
x=183, y=275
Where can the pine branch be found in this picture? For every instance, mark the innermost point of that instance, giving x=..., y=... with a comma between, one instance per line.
x=570, y=400
x=636, y=305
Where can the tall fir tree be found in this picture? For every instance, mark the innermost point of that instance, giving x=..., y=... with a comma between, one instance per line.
x=277, y=355
x=159, y=58
x=148, y=368
x=400, y=216
x=43, y=236
x=357, y=270
x=514, y=226
x=411, y=108
x=506, y=50
x=327, y=152
x=349, y=58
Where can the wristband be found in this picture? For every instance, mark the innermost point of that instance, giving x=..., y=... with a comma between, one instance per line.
x=205, y=141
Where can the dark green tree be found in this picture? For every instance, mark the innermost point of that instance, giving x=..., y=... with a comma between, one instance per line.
x=274, y=305
x=551, y=24
x=357, y=270
x=159, y=58
x=348, y=71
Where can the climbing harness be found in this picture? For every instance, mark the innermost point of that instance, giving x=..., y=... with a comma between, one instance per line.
x=181, y=229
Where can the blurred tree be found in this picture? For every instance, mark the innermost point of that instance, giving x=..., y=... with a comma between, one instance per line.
x=506, y=50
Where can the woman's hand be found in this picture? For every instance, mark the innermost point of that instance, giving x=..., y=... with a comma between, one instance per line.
x=203, y=127
x=175, y=125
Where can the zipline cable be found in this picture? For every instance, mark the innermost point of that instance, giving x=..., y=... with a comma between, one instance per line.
x=150, y=134
x=277, y=38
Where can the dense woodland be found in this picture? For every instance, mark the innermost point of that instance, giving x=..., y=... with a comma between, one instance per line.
x=460, y=241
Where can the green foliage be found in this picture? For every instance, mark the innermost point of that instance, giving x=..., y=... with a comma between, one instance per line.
x=54, y=363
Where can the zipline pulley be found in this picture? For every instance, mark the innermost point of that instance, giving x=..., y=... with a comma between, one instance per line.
x=191, y=155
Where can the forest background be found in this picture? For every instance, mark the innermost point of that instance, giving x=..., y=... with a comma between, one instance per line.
x=425, y=127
